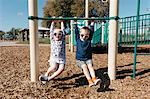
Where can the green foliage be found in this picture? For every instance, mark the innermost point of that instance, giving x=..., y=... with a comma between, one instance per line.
x=73, y=8
x=41, y=41
x=14, y=31
x=44, y=41
x=1, y=34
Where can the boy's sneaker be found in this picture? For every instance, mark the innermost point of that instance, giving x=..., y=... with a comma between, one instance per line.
x=91, y=84
x=97, y=81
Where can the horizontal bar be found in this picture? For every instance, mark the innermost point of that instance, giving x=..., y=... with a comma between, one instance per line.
x=135, y=16
x=143, y=53
x=72, y=18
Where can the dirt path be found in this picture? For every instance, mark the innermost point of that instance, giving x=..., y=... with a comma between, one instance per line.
x=71, y=84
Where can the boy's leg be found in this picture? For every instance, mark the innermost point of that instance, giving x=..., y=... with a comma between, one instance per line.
x=90, y=68
x=86, y=71
x=59, y=71
x=87, y=74
x=92, y=72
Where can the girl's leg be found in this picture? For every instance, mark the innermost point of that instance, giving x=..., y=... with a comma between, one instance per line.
x=53, y=67
x=59, y=71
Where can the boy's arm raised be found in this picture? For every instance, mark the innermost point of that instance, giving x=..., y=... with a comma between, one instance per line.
x=76, y=31
x=92, y=29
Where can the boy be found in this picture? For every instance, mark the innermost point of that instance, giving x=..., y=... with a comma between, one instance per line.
x=84, y=53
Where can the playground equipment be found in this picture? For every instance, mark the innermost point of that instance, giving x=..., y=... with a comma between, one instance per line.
x=135, y=35
x=126, y=33
x=128, y=30
x=33, y=27
x=135, y=44
x=139, y=33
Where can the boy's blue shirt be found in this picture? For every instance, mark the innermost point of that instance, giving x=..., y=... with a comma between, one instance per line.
x=84, y=49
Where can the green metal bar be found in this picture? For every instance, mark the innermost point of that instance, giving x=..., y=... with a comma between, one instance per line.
x=143, y=39
x=136, y=35
x=130, y=31
x=143, y=53
x=72, y=18
x=135, y=16
x=129, y=25
x=120, y=35
x=125, y=30
x=106, y=32
x=144, y=30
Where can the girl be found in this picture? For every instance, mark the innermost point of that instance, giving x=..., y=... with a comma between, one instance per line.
x=58, y=54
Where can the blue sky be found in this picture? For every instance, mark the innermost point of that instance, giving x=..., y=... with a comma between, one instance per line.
x=14, y=13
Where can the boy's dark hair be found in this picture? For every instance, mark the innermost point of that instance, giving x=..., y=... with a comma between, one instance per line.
x=87, y=28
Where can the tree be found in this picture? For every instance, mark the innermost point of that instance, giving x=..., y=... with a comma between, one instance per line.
x=14, y=31
x=96, y=8
x=56, y=8
x=70, y=8
x=1, y=34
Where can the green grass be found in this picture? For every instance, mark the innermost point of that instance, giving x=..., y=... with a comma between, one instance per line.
x=44, y=41
x=41, y=41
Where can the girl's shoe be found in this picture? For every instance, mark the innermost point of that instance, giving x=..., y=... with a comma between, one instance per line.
x=43, y=78
x=44, y=82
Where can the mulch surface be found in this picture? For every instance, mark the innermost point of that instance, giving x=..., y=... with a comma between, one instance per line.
x=71, y=84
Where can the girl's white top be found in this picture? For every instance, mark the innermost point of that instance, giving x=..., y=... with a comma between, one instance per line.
x=58, y=51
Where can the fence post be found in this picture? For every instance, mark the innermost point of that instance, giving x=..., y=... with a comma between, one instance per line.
x=136, y=35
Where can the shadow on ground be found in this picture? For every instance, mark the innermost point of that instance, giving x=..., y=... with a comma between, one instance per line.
x=80, y=79
x=104, y=50
x=123, y=73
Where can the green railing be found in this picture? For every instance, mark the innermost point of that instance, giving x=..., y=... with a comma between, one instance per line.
x=127, y=30
x=97, y=36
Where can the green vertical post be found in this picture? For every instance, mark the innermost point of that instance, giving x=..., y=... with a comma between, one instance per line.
x=124, y=35
x=120, y=35
x=130, y=31
x=136, y=35
x=127, y=32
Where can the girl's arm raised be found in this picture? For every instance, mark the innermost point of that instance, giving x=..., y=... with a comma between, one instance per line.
x=52, y=30
x=52, y=26
x=62, y=26
x=63, y=30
